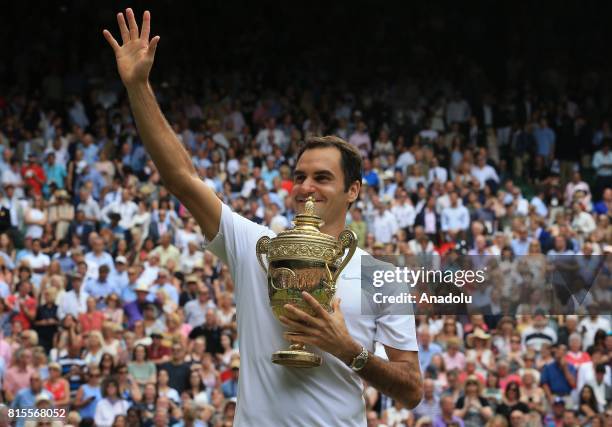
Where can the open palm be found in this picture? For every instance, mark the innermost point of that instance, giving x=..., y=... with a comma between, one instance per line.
x=135, y=56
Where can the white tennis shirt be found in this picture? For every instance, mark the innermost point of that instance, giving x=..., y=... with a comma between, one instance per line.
x=274, y=395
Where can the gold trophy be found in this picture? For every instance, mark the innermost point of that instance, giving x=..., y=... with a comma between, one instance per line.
x=303, y=259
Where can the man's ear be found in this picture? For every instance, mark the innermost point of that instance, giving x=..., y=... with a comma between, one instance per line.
x=353, y=191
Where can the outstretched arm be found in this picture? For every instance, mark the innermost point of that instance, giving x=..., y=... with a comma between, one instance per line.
x=134, y=61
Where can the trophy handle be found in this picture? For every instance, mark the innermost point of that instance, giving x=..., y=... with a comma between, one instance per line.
x=348, y=239
x=263, y=244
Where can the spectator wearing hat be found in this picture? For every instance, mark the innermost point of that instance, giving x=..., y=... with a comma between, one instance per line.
x=556, y=417
x=479, y=343
x=134, y=310
x=189, y=292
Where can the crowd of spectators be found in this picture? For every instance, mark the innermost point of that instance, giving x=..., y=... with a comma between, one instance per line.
x=111, y=309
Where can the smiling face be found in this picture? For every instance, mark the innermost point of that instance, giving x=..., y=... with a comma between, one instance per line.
x=319, y=174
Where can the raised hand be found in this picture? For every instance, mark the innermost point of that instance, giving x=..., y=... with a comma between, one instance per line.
x=135, y=56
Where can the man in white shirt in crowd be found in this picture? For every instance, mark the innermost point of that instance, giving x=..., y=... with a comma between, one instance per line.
x=436, y=172
x=384, y=225
x=195, y=310
x=38, y=262
x=484, y=172
x=328, y=170
x=602, y=163
x=126, y=208
x=190, y=256
x=269, y=137
x=455, y=220
x=404, y=211
x=457, y=110
x=89, y=206
x=74, y=301
x=98, y=256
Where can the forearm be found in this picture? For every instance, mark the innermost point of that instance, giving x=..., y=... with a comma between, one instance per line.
x=158, y=137
x=398, y=380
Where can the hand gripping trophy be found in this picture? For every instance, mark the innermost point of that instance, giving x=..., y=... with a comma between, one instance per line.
x=303, y=259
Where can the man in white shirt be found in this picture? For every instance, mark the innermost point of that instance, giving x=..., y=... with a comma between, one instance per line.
x=126, y=208
x=404, y=211
x=455, y=219
x=384, y=225
x=269, y=137
x=436, y=172
x=329, y=171
x=98, y=256
x=484, y=172
x=38, y=262
x=74, y=301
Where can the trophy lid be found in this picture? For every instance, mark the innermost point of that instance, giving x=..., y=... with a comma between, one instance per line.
x=308, y=220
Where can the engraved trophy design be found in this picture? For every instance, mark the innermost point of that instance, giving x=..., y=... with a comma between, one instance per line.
x=303, y=259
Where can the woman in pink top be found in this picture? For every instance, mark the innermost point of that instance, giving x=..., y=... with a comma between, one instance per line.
x=92, y=319
x=575, y=356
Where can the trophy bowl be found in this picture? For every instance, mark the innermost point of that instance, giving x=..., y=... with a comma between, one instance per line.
x=303, y=259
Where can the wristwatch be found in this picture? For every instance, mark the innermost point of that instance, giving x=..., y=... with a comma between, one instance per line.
x=360, y=360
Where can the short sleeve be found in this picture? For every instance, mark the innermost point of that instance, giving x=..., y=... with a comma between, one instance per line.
x=236, y=238
x=397, y=331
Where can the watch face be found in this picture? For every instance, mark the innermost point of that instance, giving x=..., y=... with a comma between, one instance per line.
x=360, y=363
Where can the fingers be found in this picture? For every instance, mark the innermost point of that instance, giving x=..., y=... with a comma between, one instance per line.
x=132, y=24
x=125, y=33
x=318, y=308
x=296, y=326
x=336, y=304
x=146, y=26
x=111, y=40
x=153, y=46
x=296, y=314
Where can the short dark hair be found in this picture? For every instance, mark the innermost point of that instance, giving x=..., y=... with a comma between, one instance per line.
x=351, y=162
